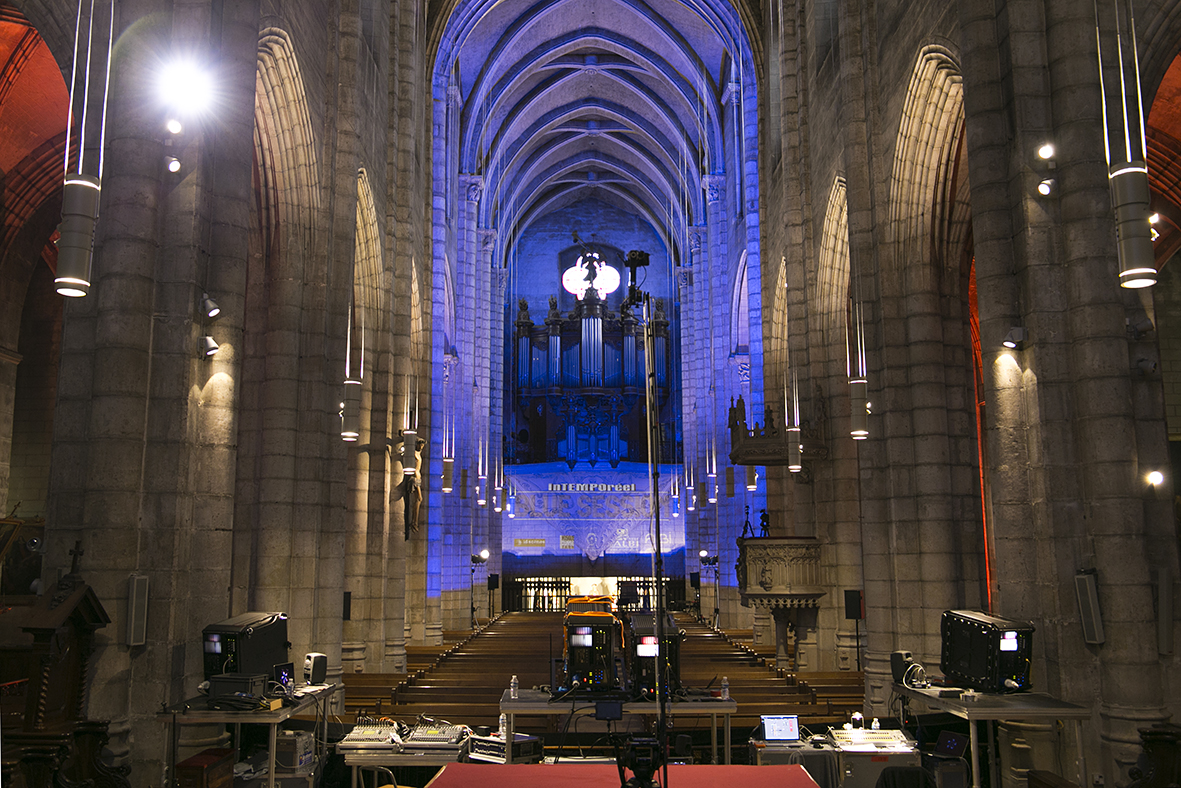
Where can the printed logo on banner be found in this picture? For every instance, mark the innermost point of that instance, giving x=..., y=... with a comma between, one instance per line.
x=529, y=542
x=567, y=542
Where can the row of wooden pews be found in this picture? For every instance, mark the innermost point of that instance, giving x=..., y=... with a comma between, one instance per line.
x=708, y=655
x=463, y=681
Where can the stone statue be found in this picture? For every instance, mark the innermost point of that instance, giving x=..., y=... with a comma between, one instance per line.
x=411, y=488
x=522, y=311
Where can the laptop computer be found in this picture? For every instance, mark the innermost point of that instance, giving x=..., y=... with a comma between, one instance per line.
x=283, y=673
x=951, y=744
x=781, y=728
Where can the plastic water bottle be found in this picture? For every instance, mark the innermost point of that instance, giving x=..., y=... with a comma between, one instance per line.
x=725, y=688
x=503, y=726
x=513, y=687
x=877, y=726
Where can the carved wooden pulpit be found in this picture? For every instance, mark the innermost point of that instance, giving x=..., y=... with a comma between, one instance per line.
x=46, y=643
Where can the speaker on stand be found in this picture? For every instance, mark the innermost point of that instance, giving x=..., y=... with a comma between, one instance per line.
x=855, y=611
x=493, y=584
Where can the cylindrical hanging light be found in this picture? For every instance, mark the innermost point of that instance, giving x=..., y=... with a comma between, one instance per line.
x=1125, y=145
x=795, y=455
x=75, y=248
x=350, y=411
x=1130, y=198
x=510, y=504
x=858, y=414
x=448, y=474
x=81, y=190
x=752, y=478
x=409, y=446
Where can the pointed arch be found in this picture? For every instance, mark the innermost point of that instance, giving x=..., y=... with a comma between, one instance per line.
x=833, y=271
x=928, y=198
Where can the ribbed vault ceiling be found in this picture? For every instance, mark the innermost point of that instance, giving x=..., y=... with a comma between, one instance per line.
x=620, y=100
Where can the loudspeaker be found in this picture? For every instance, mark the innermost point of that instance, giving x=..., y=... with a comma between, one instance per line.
x=463, y=484
x=695, y=579
x=493, y=581
x=729, y=481
x=854, y=604
x=137, y=610
x=900, y=662
x=346, y=613
x=1086, y=588
x=315, y=667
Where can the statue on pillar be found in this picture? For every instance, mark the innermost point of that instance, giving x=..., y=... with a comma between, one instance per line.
x=411, y=487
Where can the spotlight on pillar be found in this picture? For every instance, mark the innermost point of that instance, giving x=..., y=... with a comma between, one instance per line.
x=702, y=553
x=172, y=163
x=1046, y=152
x=752, y=478
x=448, y=474
x=75, y=247
x=350, y=411
x=1156, y=478
x=1046, y=186
x=185, y=89
x=858, y=410
x=209, y=345
x=1015, y=339
x=481, y=557
x=209, y=307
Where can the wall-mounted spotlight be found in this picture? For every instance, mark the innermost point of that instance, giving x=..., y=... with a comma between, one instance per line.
x=1140, y=327
x=185, y=90
x=481, y=557
x=172, y=163
x=1155, y=478
x=209, y=307
x=1046, y=152
x=1015, y=339
x=1047, y=186
x=209, y=345
x=1146, y=366
x=702, y=553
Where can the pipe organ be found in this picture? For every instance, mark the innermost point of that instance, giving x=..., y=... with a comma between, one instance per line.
x=579, y=385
